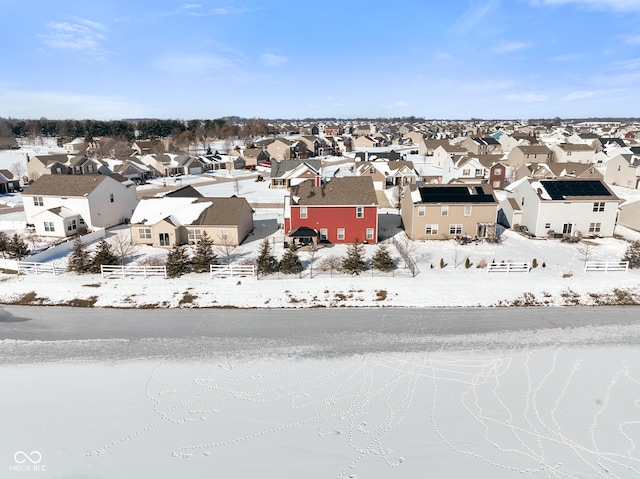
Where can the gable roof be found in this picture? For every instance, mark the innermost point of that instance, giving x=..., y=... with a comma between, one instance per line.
x=280, y=168
x=186, y=211
x=222, y=211
x=69, y=185
x=350, y=190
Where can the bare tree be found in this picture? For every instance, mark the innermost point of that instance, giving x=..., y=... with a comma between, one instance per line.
x=236, y=187
x=18, y=169
x=224, y=248
x=122, y=246
x=331, y=263
x=585, y=250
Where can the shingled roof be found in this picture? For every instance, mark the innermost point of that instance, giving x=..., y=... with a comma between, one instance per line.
x=350, y=190
x=68, y=185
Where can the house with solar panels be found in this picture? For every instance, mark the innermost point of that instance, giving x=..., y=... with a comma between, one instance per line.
x=449, y=211
x=561, y=207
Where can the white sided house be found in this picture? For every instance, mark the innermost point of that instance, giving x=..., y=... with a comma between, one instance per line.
x=57, y=205
x=562, y=207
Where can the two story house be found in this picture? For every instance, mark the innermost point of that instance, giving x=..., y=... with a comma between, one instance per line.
x=341, y=210
x=57, y=205
x=448, y=211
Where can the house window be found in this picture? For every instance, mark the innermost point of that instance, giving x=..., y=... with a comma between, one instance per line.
x=369, y=234
x=568, y=153
x=421, y=210
x=303, y=212
x=466, y=172
x=144, y=233
x=48, y=226
x=224, y=235
x=71, y=225
x=455, y=229
x=594, y=227
x=164, y=239
x=81, y=221
x=38, y=201
x=110, y=197
x=323, y=234
x=341, y=233
x=497, y=171
x=496, y=184
x=598, y=206
x=371, y=171
x=431, y=229
x=78, y=169
x=194, y=235
x=467, y=210
x=90, y=168
x=444, y=210
x=359, y=211
x=479, y=172
x=522, y=201
x=59, y=171
x=547, y=225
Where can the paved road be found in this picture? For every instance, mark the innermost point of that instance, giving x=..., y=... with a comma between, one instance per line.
x=120, y=334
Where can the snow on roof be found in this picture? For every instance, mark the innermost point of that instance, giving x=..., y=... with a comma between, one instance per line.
x=180, y=211
x=542, y=191
x=415, y=196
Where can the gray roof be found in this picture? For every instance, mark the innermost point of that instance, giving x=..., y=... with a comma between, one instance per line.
x=68, y=185
x=223, y=212
x=350, y=190
x=280, y=168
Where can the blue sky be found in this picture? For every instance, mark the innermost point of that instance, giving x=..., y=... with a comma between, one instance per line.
x=513, y=59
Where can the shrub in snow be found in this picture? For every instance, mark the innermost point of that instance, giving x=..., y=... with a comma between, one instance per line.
x=632, y=254
x=354, y=261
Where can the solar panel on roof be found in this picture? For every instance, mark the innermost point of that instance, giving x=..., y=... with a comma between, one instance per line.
x=559, y=190
x=455, y=194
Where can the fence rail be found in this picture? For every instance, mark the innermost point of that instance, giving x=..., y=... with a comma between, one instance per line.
x=523, y=267
x=232, y=270
x=129, y=270
x=31, y=267
x=606, y=266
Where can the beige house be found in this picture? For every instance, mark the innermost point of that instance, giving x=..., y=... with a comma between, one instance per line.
x=281, y=149
x=622, y=170
x=164, y=222
x=448, y=211
x=529, y=154
x=482, y=146
x=629, y=214
x=578, y=153
x=557, y=170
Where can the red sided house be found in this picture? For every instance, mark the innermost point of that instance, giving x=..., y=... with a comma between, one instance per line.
x=340, y=210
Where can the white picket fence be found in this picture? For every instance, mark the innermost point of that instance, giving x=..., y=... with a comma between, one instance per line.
x=523, y=267
x=32, y=267
x=606, y=266
x=130, y=270
x=232, y=270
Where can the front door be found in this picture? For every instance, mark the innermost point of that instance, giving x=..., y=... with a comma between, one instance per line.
x=567, y=228
x=164, y=239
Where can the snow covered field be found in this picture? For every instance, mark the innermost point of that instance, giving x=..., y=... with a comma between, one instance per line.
x=462, y=411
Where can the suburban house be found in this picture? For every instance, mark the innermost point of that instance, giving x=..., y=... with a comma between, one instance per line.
x=563, y=207
x=629, y=214
x=40, y=165
x=497, y=172
x=75, y=146
x=482, y=146
x=141, y=147
x=255, y=156
x=549, y=171
x=170, y=220
x=57, y=205
x=387, y=174
x=8, y=143
x=291, y=172
x=135, y=171
x=341, y=210
x=463, y=169
x=578, y=153
x=365, y=141
x=441, y=153
x=449, y=211
x=8, y=182
x=282, y=149
x=529, y=154
x=623, y=170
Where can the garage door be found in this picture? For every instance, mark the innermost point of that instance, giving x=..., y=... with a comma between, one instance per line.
x=195, y=170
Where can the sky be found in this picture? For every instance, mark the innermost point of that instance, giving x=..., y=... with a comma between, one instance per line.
x=503, y=59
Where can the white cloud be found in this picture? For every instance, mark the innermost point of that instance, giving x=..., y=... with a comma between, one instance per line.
x=272, y=60
x=510, y=47
x=578, y=95
x=528, y=97
x=473, y=15
x=619, y=5
x=401, y=103
x=82, y=35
